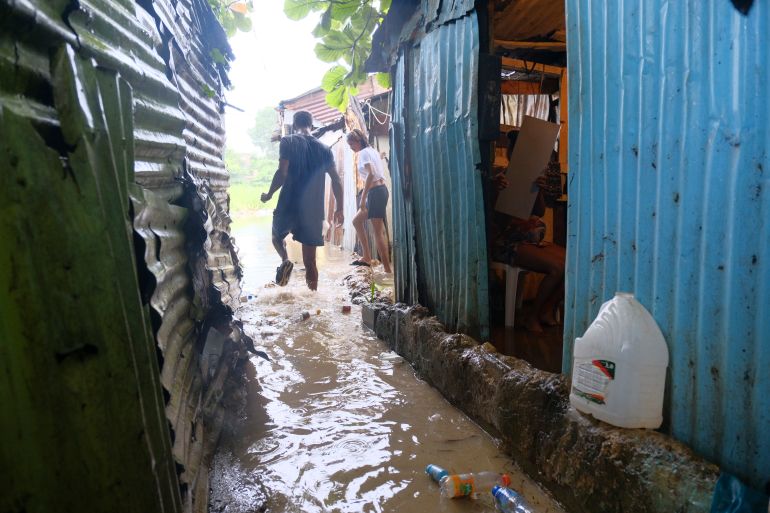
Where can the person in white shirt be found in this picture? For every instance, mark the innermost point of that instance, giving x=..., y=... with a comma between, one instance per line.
x=374, y=199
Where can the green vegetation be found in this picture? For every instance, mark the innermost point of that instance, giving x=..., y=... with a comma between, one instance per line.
x=233, y=15
x=345, y=31
x=251, y=173
x=247, y=183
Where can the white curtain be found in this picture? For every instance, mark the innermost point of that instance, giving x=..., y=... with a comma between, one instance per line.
x=516, y=106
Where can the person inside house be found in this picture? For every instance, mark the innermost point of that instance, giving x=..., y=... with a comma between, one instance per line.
x=303, y=162
x=519, y=242
x=373, y=202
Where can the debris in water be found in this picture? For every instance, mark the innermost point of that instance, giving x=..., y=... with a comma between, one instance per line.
x=318, y=312
x=345, y=308
x=305, y=316
x=436, y=473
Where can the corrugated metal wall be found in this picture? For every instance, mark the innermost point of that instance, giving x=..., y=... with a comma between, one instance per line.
x=188, y=270
x=439, y=235
x=670, y=199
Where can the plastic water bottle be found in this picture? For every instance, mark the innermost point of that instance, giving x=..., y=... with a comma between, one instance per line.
x=462, y=485
x=508, y=501
x=436, y=473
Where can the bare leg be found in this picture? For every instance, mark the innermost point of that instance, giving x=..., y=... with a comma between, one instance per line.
x=382, y=243
x=359, y=223
x=311, y=269
x=550, y=261
x=280, y=247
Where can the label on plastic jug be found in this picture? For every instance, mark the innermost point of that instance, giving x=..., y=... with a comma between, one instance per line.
x=591, y=379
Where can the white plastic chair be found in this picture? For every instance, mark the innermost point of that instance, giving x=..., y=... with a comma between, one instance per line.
x=512, y=298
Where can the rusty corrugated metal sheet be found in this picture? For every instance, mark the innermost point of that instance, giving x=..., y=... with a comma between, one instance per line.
x=437, y=109
x=670, y=199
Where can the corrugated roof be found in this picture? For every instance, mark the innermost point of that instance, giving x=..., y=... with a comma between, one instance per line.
x=314, y=101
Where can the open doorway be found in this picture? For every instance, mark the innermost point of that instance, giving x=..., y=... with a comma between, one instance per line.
x=527, y=255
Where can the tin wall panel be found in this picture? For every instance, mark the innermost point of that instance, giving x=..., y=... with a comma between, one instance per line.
x=164, y=55
x=441, y=133
x=405, y=266
x=670, y=199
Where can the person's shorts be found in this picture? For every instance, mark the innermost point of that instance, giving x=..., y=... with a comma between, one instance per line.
x=376, y=201
x=305, y=231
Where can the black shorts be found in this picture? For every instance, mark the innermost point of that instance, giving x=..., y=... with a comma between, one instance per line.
x=376, y=201
x=308, y=231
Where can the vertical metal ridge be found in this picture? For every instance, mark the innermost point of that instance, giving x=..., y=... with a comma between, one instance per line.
x=669, y=195
x=449, y=247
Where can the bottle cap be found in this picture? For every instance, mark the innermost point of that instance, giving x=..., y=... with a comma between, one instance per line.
x=436, y=472
x=505, y=479
x=495, y=489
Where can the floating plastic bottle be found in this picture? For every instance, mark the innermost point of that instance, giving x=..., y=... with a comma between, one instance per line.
x=462, y=485
x=619, y=366
x=436, y=473
x=509, y=501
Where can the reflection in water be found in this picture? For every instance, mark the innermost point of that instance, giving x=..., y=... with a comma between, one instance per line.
x=336, y=421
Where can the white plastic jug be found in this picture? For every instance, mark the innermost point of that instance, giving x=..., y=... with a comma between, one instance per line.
x=619, y=366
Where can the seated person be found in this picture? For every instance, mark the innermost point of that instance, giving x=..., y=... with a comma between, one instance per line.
x=519, y=243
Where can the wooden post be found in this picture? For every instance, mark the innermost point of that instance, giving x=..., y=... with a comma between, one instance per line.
x=564, y=118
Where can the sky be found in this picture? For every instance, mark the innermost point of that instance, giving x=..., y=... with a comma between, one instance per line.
x=273, y=62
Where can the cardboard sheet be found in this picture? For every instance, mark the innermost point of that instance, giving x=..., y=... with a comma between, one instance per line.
x=528, y=160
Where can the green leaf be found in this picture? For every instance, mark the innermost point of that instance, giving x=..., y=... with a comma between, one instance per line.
x=328, y=54
x=384, y=6
x=336, y=98
x=319, y=31
x=343, y=9
x=383, y=79
x=298, y=9
x=243, y=23
x=332, y=79
x=326, y=19
x=365, y=19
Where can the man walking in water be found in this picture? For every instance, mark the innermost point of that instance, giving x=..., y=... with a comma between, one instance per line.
x=303, y=163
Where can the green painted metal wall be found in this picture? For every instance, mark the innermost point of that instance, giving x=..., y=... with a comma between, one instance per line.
x=116, y=255
x=83, y=424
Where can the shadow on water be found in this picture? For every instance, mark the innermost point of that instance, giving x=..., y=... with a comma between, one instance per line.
x=336, y=421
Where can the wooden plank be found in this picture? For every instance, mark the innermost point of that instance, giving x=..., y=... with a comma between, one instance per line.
x=564, y=119
x=519, y=87
x=531, y=67
x=551, y=46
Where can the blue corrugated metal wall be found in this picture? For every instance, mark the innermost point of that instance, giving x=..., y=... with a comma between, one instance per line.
x=439, y=227
x=670, y=198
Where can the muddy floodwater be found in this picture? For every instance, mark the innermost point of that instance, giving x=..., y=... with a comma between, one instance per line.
x=336, y=422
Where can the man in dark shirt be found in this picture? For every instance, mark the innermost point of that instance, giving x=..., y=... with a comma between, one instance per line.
x=303, y=164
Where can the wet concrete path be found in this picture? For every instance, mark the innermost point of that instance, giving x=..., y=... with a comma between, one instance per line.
x=336, y=421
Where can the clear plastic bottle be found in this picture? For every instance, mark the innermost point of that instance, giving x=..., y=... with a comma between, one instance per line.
x=462, y=485
x=508, y=501
x=436, y=473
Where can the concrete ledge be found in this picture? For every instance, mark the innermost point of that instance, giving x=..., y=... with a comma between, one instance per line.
x=589, y=466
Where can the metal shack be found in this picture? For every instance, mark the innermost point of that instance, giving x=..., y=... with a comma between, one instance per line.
x=667, y=185
x=119, y=279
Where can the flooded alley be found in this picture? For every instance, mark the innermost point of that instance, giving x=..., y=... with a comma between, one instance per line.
x=336, y=421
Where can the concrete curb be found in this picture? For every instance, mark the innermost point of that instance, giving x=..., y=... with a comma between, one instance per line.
x=589, y=466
